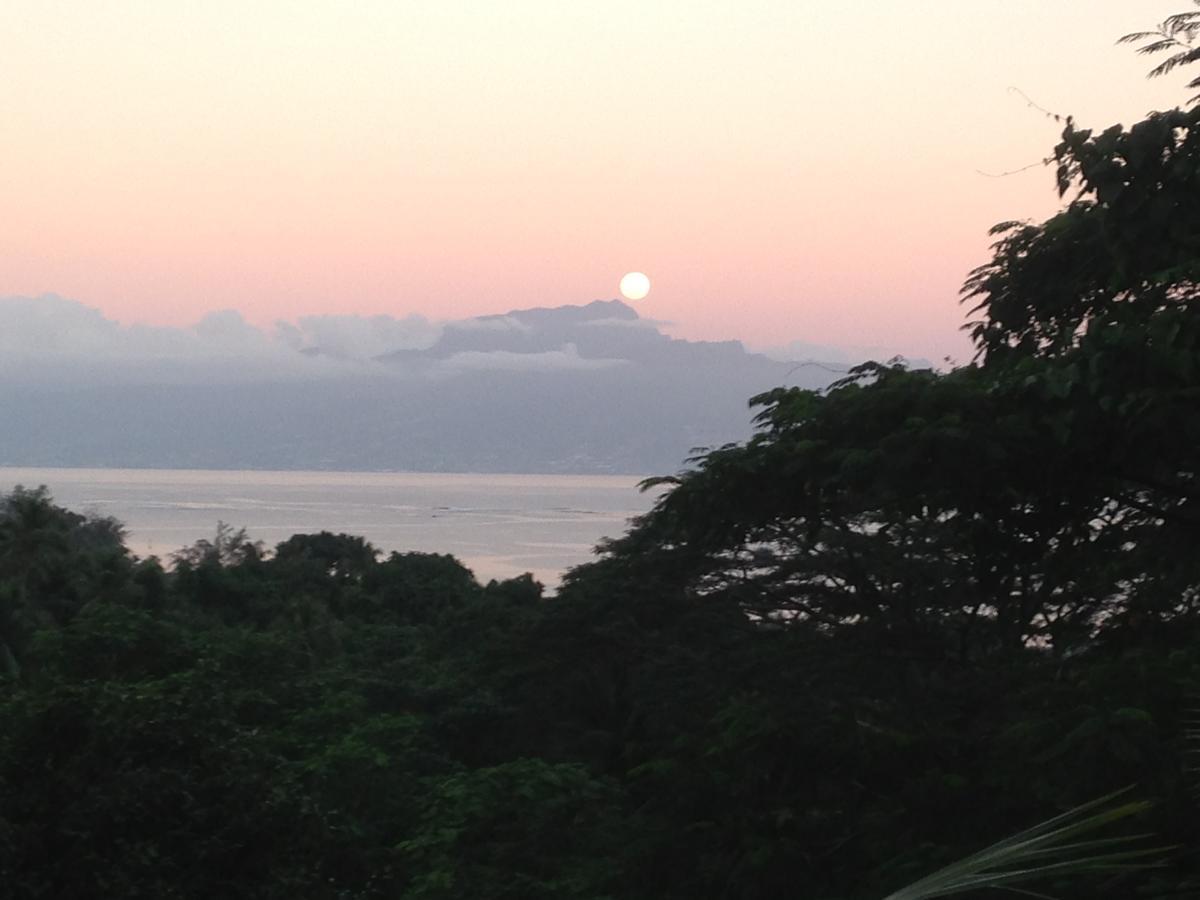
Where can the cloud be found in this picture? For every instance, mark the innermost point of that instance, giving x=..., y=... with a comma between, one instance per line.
x=53, y=325
x=492, y=323
x=50, y=328
x=567, y=358
x=358, y=337
x=53, y=340
x=49, y=338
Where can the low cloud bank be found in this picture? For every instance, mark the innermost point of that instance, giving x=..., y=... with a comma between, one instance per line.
x=53, y=340
x=546, y=361
x=50, y=338
x=358, y=337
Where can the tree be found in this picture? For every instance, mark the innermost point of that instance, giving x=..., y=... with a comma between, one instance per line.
x=52, y=563
x=1046, y=492
x=228, y=547
x=1124, y=253
x=1175, y=35
x=341, y=557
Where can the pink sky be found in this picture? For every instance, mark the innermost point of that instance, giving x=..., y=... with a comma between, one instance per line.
x=781, y=170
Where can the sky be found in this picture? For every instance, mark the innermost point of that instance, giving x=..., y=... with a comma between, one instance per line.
x=781, y=169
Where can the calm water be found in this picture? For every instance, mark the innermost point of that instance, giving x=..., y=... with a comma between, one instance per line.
x=498, y=525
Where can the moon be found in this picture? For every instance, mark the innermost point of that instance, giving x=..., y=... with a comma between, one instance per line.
x=635, y=286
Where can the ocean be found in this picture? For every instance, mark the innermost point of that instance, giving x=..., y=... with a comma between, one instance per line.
x=499, y=526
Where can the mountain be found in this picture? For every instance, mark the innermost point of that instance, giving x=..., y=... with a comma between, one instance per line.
x=573, y=389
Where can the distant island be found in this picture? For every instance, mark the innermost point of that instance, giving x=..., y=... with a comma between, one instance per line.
x=573, y=389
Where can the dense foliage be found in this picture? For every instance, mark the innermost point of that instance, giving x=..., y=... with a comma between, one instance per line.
x=916, y=612
x=318, y=722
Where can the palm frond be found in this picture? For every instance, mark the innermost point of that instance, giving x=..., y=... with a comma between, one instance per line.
x=1182, y=22
x=1157, y=46
x=1051, y=848
x=1168, y=64
x=1139, y=36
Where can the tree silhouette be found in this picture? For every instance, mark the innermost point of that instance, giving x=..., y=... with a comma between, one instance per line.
x=1175, y=35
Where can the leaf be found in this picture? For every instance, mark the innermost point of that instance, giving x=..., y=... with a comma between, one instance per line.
x=1050, y=848
x=1138, y=36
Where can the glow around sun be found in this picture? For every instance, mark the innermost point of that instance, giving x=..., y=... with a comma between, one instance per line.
x=635, y=286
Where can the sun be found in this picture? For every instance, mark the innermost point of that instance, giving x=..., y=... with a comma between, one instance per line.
x=635, y=286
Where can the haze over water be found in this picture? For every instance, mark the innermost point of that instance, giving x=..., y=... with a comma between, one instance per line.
x=499, y=526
